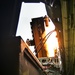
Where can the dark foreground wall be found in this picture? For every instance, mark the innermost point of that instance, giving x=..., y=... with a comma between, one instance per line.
x=9, y=56
x=9, y=15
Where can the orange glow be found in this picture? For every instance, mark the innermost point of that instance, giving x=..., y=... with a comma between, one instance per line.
x=52, y=42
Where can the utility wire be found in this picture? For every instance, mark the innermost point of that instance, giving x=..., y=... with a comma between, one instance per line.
x=43, y=40
x=44, y=43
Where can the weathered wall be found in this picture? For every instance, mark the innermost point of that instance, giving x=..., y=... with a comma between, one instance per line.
x=68, y=23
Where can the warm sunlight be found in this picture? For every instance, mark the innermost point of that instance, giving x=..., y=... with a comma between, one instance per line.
x=52, y=41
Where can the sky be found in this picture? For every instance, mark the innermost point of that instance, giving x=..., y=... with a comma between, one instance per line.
x=29, y=11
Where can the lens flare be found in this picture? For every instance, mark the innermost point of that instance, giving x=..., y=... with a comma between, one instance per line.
x=52, y=42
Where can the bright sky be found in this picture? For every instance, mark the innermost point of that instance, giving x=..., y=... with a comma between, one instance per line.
x=29, y=11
